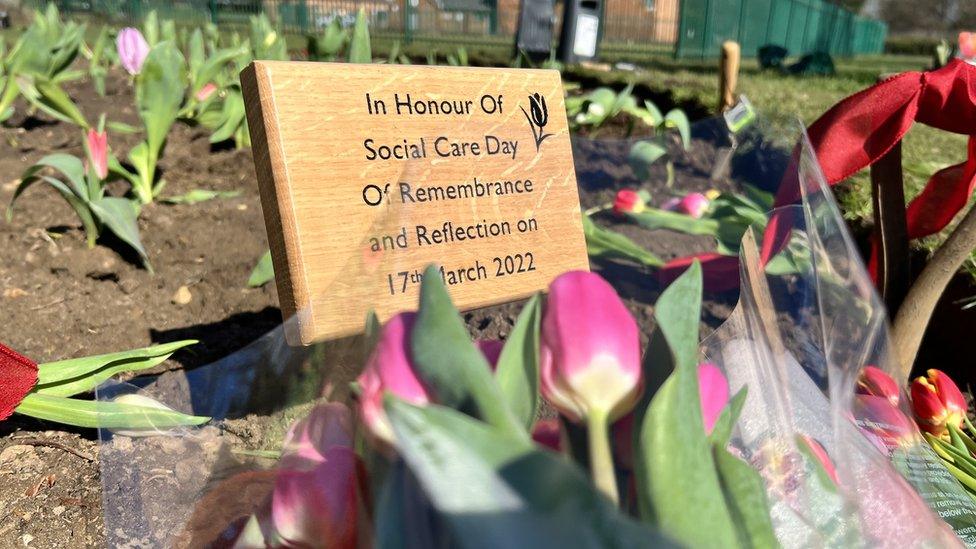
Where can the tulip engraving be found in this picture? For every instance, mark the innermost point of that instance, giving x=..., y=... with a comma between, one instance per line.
x=538, y=118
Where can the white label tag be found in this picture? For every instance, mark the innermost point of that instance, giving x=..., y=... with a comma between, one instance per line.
x=587, y=32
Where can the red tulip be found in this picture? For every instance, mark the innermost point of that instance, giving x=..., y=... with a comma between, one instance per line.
x=883, y=422
x=713, y=391
x=96, y=144
x=694, y=205
x=590, y=350
x=874, y=381
x=937, y=402
x=389, y=369
x=629, y=201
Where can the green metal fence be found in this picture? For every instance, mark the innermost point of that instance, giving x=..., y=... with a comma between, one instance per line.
x=800, y=26
x=686, y=28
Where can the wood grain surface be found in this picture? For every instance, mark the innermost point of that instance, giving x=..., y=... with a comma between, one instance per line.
x=487, y=189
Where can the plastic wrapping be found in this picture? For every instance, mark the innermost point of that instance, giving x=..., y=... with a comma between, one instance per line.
x=795, y=335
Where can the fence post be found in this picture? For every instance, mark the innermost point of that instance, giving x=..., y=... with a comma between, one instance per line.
x=408, y=21
x=213, y=11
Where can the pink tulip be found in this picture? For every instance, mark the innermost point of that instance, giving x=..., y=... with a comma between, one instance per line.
x=874, y=381
x=589, y=363
x=492, y=349
x=325, y=427
x=206, y=91
x=318, y=490
x=97, y=145
x=389, y=369
x=694, y=205
x=132, y=49
x=820, y=454
x=590, y=351
x=713, y=391
x=318, y=508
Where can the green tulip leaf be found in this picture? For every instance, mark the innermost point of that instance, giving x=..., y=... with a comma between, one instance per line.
x=78, y=375
x=160, y=89
x=674, y=457
x=643, y=155
x=604, y=243
x=518, y=365
x=677, y=119
x=745, y=494
x=654, y=218
x=494, y=490
x=121, y=216
x=725, y=423
x=360, y=49
x=105, y=415
x=263, y=272
x=450, y=364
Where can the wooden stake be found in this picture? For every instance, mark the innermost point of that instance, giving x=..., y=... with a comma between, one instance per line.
x=728, y=74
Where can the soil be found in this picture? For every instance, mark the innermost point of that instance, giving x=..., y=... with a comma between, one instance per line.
x=61, y=299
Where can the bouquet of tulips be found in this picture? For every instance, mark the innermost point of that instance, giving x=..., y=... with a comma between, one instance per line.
x=456, y=433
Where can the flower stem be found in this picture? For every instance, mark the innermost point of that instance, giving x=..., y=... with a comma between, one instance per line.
x=598, y=209
x=601, y=459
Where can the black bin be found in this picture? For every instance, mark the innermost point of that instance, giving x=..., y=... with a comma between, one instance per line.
x=582, y=25
x=534, y=38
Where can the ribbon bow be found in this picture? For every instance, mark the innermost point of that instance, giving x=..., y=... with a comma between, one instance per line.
x=18, y=375
x=857, y=132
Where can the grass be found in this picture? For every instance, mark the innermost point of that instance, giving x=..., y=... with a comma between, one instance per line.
x=785, y=99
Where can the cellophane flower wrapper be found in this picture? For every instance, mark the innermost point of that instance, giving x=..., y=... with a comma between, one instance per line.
x=287, y=459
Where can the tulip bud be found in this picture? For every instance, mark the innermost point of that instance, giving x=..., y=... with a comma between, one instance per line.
x=206, y=91
x=307, y=441
x=694, y=205
x=132, y=49
x=875, y=382
x=937, y=402
x=96, y=144
x=389, y=369
x=492, y=349
x=883, y=422
x=316, y=508
x=713, y=391
x=820, y=454
x=712, y=194
x=589, y=362
x=629, y=201
x=590, y=350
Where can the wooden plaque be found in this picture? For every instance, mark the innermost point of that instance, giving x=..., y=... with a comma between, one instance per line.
x=369, y=173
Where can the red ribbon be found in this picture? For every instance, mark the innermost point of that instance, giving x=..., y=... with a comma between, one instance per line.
x=18, y=375
x=859, y=130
